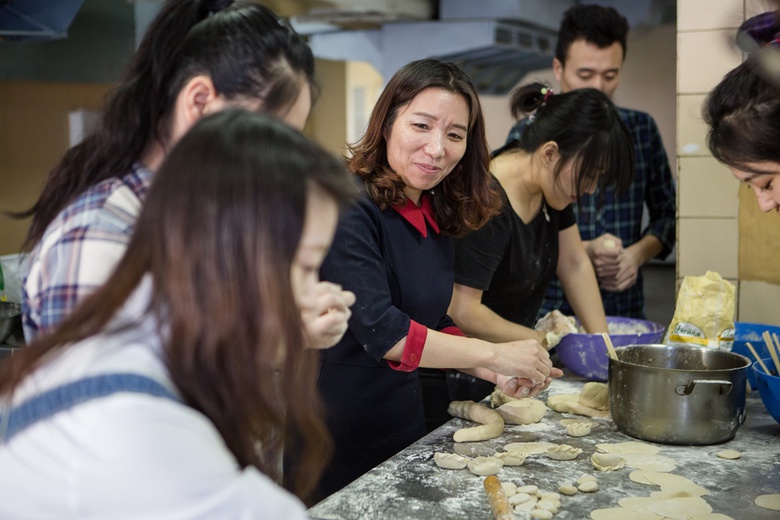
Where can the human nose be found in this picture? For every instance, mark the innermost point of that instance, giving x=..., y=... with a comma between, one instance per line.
x=435, y=147
x=766, y=202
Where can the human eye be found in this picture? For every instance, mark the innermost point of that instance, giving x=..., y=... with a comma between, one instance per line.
x=420, y=126
x=455, y=136
x=767, y=186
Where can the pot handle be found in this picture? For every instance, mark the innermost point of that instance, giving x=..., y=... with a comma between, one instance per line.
x=725, y=386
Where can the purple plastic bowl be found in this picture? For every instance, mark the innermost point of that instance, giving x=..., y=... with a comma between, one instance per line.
x=769, y=387
x=586, y=355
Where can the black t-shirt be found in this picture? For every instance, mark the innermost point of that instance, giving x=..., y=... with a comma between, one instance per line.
x=511, y=261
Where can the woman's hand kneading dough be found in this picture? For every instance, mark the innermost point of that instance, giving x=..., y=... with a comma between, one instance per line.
x=524, y=368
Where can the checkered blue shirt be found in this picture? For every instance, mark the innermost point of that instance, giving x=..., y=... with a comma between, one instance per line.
x=80, y=249
x=653, y=186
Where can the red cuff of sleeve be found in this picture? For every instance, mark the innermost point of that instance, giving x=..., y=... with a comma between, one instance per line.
x=415, y=341
x=452, y=330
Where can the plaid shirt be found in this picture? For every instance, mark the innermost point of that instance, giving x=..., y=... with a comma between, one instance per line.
x=622, y=215
x=80, y=249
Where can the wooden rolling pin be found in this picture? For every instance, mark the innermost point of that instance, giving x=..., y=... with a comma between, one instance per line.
x=499, y=503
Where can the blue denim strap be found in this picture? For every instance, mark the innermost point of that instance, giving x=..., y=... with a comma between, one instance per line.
x=72, y=394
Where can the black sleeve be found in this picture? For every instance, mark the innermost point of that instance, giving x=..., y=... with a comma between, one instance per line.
x=478, y=254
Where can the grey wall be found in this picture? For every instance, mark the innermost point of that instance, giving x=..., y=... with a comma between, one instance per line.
x=100, y=41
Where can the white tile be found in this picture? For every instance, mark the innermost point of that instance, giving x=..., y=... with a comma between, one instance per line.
x=709, y=14
x=691, y=129
x=706, y=189
x=703, y=58
x=707, y=245
x=758, y=302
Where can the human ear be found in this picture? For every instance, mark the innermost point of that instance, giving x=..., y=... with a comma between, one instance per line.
x=550, y=152
x=197, y=98
x=557, y=67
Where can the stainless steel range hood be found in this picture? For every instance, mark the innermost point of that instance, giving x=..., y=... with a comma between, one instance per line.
x=497, y=42
x=36, y=19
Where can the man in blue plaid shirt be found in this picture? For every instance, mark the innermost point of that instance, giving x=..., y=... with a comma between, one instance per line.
x=590, y=52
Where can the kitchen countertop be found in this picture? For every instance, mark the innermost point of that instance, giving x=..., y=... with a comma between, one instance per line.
x=410, y=485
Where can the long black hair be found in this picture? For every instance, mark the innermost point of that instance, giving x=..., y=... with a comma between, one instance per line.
x=246, y=50
x=587, y=128
x=216, y=238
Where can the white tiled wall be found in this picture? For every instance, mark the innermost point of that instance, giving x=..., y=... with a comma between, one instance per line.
x=708, y=226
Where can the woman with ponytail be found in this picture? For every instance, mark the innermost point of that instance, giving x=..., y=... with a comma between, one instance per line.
x=197, y=57
x=575, y=144
x=171, y=390
x=743, y=112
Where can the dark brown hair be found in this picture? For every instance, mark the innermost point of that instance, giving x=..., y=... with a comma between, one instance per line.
x=464, y=200
x=743, y=110
x=246, y=50
x=596, y=24
x=216, y=237
x=587, y=128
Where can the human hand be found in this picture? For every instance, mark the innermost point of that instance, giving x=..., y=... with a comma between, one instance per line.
x=604, y=253
x=325, y=313
x=553, y=326
x=525, y=360
x=626, y=275
x=519, y=387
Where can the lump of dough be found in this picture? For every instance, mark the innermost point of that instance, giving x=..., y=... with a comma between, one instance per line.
x=570, y=403
x=530, y=489
x=498, y=397
x=492, y=423
x=579, y=428
x=729, y=454
x=548, y=505
x=595, y=395
x=585, y=478
x=485, y=466
x=553, y=326
x=563, y=452
x=450, y=460
x=607, y=461
x=522, y=411
x=520, y=498
x=567, y=489
x=771, y=502
x=588, y=486
x=541, y=514
x=511, y=458
x=510, y=488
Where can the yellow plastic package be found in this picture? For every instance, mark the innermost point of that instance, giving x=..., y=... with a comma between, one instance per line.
x=704, y=314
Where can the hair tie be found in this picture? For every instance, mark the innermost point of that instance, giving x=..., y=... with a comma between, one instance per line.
x=546, y=92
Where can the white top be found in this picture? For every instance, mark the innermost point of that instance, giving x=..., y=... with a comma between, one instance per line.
x=127, y=455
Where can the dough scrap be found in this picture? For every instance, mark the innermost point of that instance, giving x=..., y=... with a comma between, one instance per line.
x=649, y=461
x=729, y=454
x=578, y=429
x=771, y=502
x=570, y=403
x=492, y=423
x=680, y=508
x=563, y=452
x=522, y=411
x=450, y=460
x=530, y=448
x=511, y=458
x=595, y=395
x=485, y=466
x=607, y=461
x=668, y=482
x=628, y=447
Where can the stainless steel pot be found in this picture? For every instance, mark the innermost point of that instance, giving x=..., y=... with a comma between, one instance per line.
x=677, y=395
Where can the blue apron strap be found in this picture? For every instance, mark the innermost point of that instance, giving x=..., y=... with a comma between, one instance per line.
x=72, y=394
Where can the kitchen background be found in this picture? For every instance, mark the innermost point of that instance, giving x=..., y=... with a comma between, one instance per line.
x=55, y=69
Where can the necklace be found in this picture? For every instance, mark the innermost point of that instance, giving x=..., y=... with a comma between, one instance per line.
x=544, y=210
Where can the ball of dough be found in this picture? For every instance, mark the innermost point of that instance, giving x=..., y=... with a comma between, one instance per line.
x=771, y=502
x=519, y=498
x=588, y=486
x=541, y=514
x=595, y=395
x=567, y=489
x=530, y=489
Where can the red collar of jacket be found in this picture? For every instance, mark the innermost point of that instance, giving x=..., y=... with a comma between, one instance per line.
x=417, y=216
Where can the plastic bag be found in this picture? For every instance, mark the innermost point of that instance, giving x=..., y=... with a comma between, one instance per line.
x=704, y=314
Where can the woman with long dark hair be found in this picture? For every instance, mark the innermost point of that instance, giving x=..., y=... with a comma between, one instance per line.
x=576, y=143
x=169, y=392
x=197, y=57
x=743, y=112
